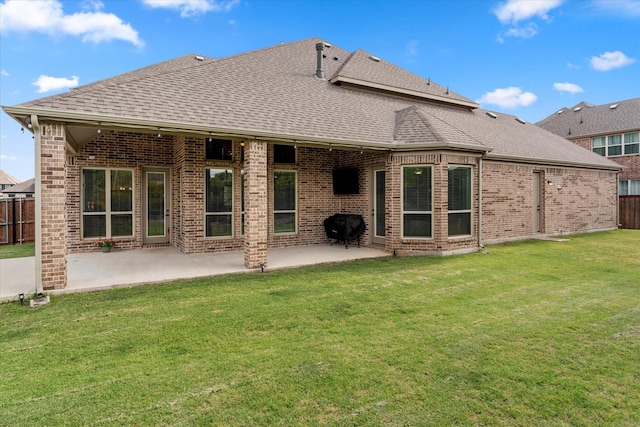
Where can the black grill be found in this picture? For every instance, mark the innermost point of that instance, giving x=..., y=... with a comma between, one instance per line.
x=344, y=227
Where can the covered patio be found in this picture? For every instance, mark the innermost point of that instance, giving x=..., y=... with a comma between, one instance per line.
x=94, y=271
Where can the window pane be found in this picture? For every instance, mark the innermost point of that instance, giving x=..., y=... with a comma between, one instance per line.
x=635, y=187
x=623, y=188
x=417, y=225
x=121, y=190
x=459, y=224
x=93, y=190
x=459, y=188
x=218, y=149
x=598, y=142
x=614, y=140
x=600, y=151
x=284, y=191
x=121, y=225
x=615, y=151
x=631, y=137
x=219, y=185
x=94, y=226
x=218, y=225
x=631, y=148
x=416, y=188
x=284, y=154
x=284, y=223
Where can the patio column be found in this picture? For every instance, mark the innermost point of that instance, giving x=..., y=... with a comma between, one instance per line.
x=255, y=205
x=51, y=231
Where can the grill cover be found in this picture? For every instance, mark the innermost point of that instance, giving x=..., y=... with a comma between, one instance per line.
x=344, y=227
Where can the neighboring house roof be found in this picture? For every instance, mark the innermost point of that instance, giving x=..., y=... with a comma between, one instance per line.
x=273, y=94
x=585, y=119
x=5, y=179
x=26, y=187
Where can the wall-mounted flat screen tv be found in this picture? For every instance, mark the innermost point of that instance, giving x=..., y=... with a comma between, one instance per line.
x=345, y=181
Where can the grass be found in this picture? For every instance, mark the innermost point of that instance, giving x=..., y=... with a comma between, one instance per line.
x=533, y=333
x=17, y=251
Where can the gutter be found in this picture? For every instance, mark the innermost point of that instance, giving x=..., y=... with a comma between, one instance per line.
x=71, y=118
x=37, y=136
x=558, y=163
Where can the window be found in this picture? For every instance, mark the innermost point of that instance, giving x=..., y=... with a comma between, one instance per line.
x=459, y=178
x=599, y=145
x=631, y=143
x=629, y=187
x=284, y=154
x=616, y=145
x=284, y=201
x=218, y=149
x=219, y=203
x=107, y=203
x=242, y=197
x=417, y=201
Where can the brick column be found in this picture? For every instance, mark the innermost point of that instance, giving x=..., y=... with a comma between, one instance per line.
x=52, y=240
x=255, y=205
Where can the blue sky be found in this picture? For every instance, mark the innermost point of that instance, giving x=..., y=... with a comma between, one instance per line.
x=522, y=57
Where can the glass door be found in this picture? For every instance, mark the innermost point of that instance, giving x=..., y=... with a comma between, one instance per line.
x=156, y=219
x=379, y=214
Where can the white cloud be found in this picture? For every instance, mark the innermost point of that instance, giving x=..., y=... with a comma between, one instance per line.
x=47, y=17
x=4, y=73
x=5, y=157
x=189, y=8
x=624, y=8
x=514, y=11
x=523, y=32
x=610, y=60
x=510, y=97
x=567, y=87
x=48, y=84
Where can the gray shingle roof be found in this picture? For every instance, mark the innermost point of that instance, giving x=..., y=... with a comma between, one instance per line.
x=584, y=119
x=274, y=92
x=28, y=186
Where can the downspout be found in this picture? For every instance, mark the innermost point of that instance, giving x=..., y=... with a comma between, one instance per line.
x=38, y=189
x=480, y=245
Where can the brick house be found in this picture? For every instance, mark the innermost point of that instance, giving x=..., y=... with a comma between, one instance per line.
x=254, y=151
x=611, y=130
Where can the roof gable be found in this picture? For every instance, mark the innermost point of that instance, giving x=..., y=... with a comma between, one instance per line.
x=585, y=119
x=364, y=70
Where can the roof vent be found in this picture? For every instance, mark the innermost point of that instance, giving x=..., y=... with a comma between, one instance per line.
x=614, y=106
x=577, y=109
x=320, y=54
x=560, y=111
x=374, y=58
x=199, y=58
x=519, y=120
x=492, y=115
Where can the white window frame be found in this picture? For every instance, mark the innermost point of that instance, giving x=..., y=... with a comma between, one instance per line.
x=629, y=141
x=288, y=211
x=607, y=143
x=470, y=210
x=632, y=187
x=403, y=212
x=229, y=213
x=107, y=212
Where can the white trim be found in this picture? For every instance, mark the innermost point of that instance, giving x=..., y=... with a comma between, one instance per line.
x=469, y=211
x=294, y=211
x=229, y=213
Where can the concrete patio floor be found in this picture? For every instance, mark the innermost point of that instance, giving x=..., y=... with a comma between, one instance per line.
x=87, y=272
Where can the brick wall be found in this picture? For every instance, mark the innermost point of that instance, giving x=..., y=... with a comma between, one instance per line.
x=632, y=161
x=53, y=217
x=440, y=243
x=585, y=201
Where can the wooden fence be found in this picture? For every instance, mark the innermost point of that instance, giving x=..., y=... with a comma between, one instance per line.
x=630, y=212
x=17, y=220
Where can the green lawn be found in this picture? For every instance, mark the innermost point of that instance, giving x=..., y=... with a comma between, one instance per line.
x=17, y=251
x=533, y=333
